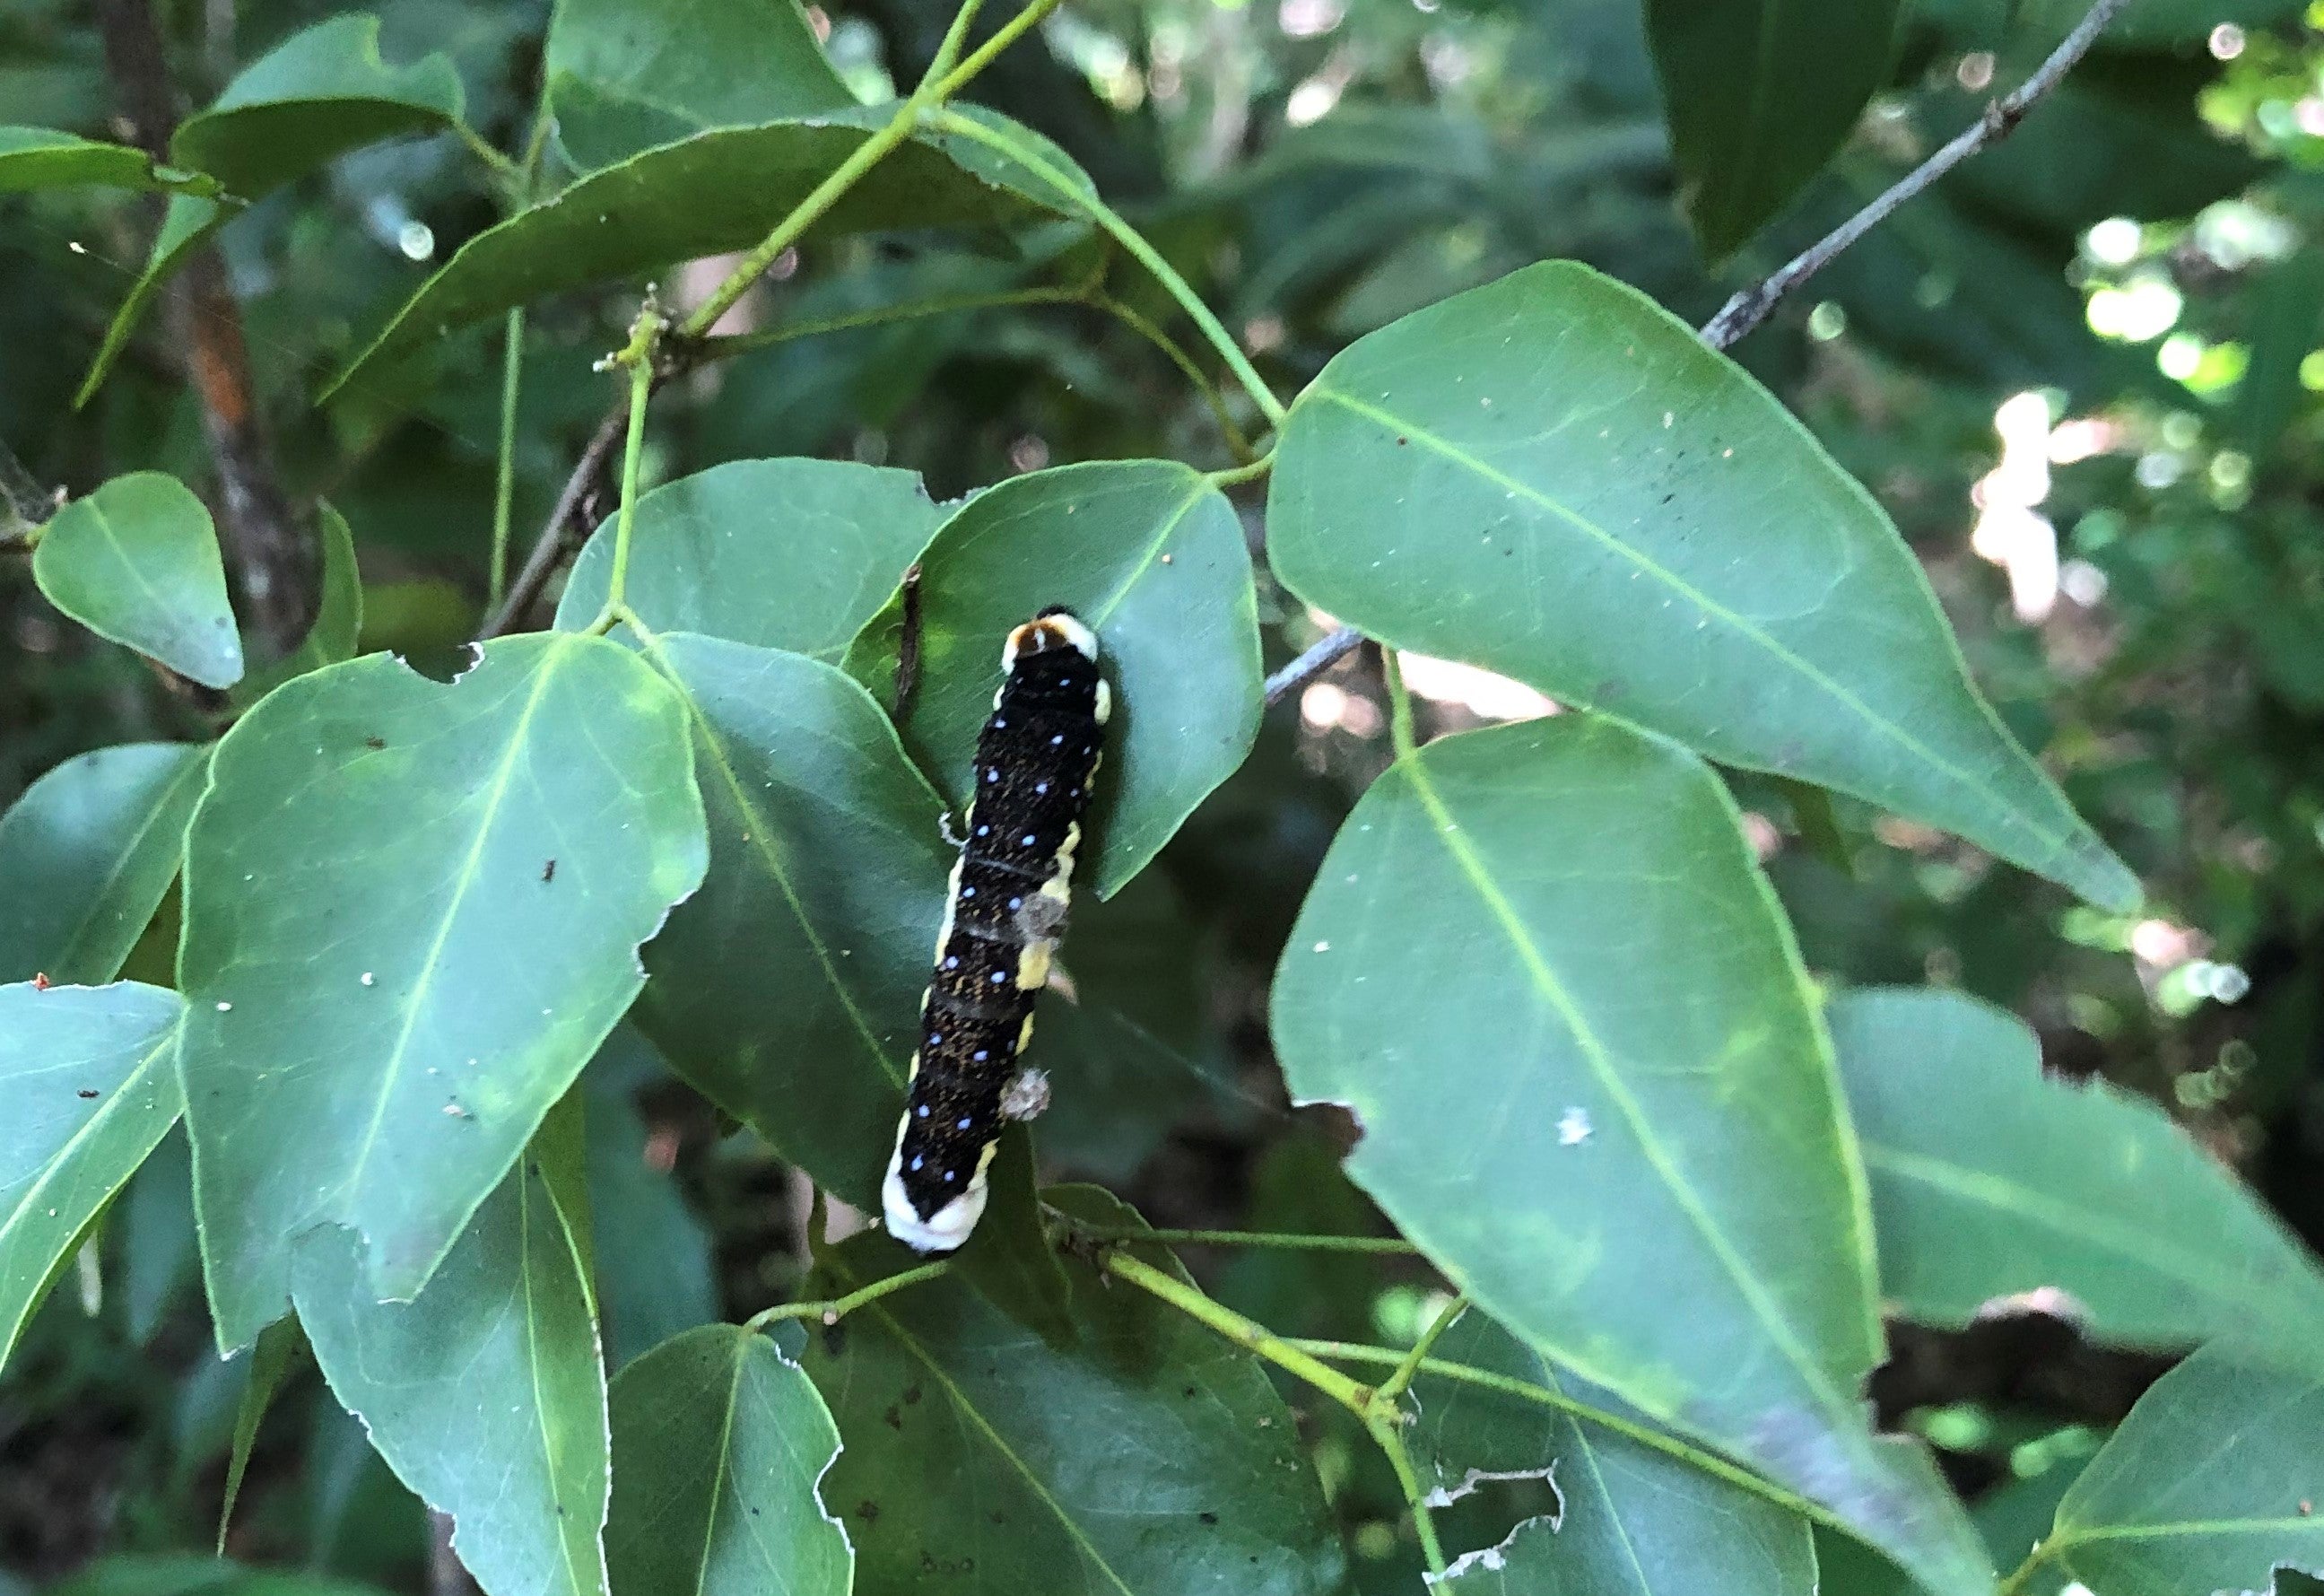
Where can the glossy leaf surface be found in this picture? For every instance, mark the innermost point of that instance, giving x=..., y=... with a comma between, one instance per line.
x=1552, y=477
x=137, y=561
x=413, y=912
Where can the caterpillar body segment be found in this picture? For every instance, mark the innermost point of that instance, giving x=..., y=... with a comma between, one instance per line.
x=1009, y=895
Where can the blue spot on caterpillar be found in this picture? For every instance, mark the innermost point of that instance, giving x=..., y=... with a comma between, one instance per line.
x=1009, y=891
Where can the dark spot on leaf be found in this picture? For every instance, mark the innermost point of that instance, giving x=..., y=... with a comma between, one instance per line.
x=996, y=1519
x=892, y=1418
x=867, y=1509
x=374, y=743
x=834, y=1337
x=87, y=1091
x=548, y=870
x=1190, y=1390
x=911, y=1394
x=1208, y=1518
x=1402, y=441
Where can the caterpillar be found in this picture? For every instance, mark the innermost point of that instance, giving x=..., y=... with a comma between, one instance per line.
x=1009, y=890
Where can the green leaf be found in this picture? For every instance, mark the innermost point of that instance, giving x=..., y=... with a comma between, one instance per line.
x=720, y=1445
x=1759, y=94
x=411, y=915
x=320, y=93
x=186, y=226
x=623, y=77
x=43, y=158
x=1152, y=557
x=1008, y=1261
x=485, y=1394
x=87, y=855
x=87, y=1073
x=1150, y=1456
x=137, y=561
x=654, y=1272
x=339, y=621
x=1576, y=1150
x=1991, y=1179
x=158, y=1252
x=714, y=192
x=280, y=1352
x=2212, y=1483
x=788, y=988
x=1549, y=476
x=782, y=554
x=1632, y=1520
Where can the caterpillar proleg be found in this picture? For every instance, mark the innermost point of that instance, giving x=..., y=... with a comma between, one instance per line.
x=1009, y=891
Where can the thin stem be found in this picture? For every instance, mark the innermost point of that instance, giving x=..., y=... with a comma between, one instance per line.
x=1382, y=1426
x=1660, y=1441
x=1755, y=304
x=1009, y=33
x=617, y=583
x=948, y=48
x=507, y=171
x=931, y=93
x=1350, y=1394
x=1250, y=471
x=504, y=483
x=1131, y=317
x=1385, y=1244
x=831, y=1310
x=1312, y=664
x=1399, y=708
x=1129, y=238
x=551, y=544
x=1400, y=1380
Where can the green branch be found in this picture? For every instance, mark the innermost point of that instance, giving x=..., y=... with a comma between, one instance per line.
x=1380, y=1419
x=1399, y=708
x=1130, y=239
x=831, y=1310
x=1395, y=1386
x=638, y=358
x=1395, y=1244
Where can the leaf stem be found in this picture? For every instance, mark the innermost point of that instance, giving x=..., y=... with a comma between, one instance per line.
x=1130, y=239
x=1250, y=471
x=1382, y=1425
x=639, y=358
x=504, y=481
x=831, y=1310
x=1400, y=1380
x=948, y=48
x=502, y=168
x=1399, y=708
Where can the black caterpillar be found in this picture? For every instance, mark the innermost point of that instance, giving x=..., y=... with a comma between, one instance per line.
x=1035, y=760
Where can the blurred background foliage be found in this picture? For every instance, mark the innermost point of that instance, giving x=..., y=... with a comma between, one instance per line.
x=2083, y=375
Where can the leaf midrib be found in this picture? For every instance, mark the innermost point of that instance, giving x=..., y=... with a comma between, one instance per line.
x=1403, y=428
x=464, y=883
x=189, y=767
x=1553, y=990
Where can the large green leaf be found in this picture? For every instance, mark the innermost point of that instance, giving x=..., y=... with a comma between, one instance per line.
x=1150, y=1456
x=784, y=554
x=1632, y=1520
x=485, y=1394
x=411, y=914
x=1991, y=1179
x=1149, y=553
x=715, y=191
x=1540, y=967
x=1759, y=95
x=788, y=988
x=2212, y=1483
x=86, y=1071
x=317, y=94
x=623, y=76
x=43, y=158
x=87, y=854
x=720, y=1445
x=137, y=561
x=1550, y=477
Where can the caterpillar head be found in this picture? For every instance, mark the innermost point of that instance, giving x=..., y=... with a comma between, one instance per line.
x=1054, y=628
